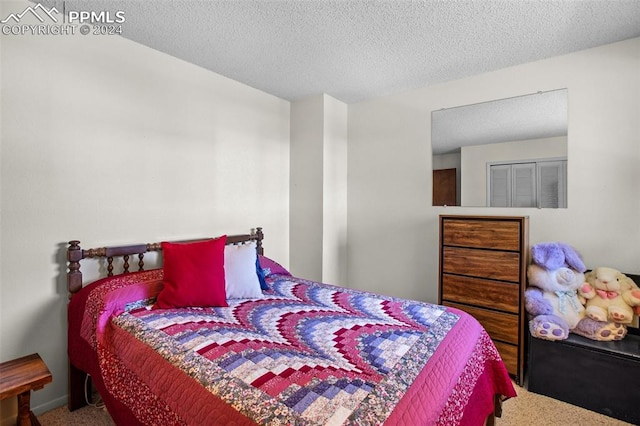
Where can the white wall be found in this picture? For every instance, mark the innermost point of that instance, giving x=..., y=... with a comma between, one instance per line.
x=319, y=189
x=107, y=141
x=334, y=241
x=392, y=235
x=306, y=218
x=446, y=161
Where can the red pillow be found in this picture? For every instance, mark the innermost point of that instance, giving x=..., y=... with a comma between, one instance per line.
x=193, y=274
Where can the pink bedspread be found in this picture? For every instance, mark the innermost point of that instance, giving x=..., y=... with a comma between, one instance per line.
x=306, y=353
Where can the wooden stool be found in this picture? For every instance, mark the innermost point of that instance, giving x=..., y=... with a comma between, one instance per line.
x=19, y=377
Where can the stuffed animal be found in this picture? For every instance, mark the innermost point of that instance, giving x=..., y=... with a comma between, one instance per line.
x=552, y=300
x=611, y=295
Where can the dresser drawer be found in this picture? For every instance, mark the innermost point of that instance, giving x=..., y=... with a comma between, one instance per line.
x=497, y=265
x=485, y=293
x=500, y=326
x=509, y=354
x=482, y=270
x=495, y=234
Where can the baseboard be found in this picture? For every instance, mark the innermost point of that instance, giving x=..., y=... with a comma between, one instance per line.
x=48, y=406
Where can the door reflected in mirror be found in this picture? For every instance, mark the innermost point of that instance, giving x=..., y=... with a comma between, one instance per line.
x=503, y=153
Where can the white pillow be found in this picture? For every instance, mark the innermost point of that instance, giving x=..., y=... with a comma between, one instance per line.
x=241, y=277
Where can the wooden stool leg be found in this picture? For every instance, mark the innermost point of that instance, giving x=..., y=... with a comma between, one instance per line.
x=24, y=407
x=25, y=416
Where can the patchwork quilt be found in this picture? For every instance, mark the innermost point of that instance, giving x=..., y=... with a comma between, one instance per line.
x=305, y=354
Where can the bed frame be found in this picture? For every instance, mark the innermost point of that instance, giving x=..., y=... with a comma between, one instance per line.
x=79, y=382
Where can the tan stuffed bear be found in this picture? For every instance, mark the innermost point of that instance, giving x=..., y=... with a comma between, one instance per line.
x=610, y=294
x=555, y=309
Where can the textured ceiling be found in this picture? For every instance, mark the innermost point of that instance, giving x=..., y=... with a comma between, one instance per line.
x=534, y=116
x=355, y=50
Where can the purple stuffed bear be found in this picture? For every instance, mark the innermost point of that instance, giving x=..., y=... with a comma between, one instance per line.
x=552, y=300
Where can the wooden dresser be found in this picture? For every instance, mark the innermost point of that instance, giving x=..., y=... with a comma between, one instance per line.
x=483, y=263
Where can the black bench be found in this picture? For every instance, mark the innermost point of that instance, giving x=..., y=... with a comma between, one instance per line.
x=599, y=376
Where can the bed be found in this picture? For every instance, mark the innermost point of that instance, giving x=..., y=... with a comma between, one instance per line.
x=294, y=352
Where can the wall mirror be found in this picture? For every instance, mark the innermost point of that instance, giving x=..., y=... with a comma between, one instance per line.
x=503, y=153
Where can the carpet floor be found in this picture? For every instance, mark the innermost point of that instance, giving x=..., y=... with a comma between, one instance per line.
x=527, y=409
